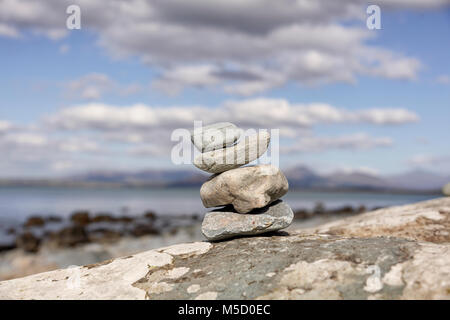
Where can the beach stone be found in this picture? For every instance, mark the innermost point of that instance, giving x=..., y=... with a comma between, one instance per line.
x=34, y=221
x=225, y=223
x=245, y=151
x=69, y=237
x=215, y=136
x=245, y=188
x=28, y=242
x=80, y=218
x=446, y=190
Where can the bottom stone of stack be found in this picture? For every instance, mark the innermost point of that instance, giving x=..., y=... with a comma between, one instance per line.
x=226, y=223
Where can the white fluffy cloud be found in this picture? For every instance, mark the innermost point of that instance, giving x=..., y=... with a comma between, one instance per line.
x=8, y=31
x=94, y=86
x=265, y=113
x=21, y=147
x=75, y=137
x=31, y=142
x=146, y=129
x=91, y=86
x=4, y=126
x=174, y=80
x=96, y=130
x=241, y=47
x=23, y=140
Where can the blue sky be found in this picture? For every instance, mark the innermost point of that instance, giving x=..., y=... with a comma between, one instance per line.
x=54, y=82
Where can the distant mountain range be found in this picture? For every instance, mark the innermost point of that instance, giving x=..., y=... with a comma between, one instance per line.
x=166, y=178
x=300, y=177
x=416, y=180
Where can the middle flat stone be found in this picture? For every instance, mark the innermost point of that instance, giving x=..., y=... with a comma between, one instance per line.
x=245, y=188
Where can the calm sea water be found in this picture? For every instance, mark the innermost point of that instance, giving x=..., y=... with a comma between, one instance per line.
x=20, y=202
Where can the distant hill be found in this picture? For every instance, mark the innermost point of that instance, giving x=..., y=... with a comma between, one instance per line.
x=165, y=177
x=144, y=178
x=303, y=177
x=355, y=179
x=418, y=180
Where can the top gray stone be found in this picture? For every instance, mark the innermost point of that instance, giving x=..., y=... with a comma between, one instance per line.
x=245, y=151
x=215, y=136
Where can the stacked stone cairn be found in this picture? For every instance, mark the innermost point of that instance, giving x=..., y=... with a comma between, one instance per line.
x=249, y=196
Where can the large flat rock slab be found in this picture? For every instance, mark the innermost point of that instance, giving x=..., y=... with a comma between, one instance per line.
x=318, y=267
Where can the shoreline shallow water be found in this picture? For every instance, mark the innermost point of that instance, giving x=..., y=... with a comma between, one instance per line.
x=18, y=203
x=121, y=212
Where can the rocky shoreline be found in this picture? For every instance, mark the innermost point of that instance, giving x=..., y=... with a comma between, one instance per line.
x=43, y=243
x=84, y=227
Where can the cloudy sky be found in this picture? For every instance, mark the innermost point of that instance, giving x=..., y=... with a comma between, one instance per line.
x=109, y=95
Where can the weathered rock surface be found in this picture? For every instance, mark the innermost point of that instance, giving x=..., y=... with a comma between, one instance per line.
x=245, y=188
x=222, y=224
x=395, y=253
x=245, y=151
x=215, y=136
x=446, y=190
x=424, y=221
